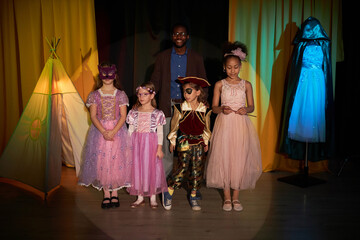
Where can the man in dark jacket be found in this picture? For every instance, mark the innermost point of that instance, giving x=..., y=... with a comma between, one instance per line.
x=178, y=61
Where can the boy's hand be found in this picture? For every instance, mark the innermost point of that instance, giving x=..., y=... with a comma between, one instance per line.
x=172, y=148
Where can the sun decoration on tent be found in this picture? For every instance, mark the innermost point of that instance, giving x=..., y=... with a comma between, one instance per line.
x=35, y=129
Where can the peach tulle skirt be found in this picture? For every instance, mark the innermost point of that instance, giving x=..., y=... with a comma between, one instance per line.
x=234, y=158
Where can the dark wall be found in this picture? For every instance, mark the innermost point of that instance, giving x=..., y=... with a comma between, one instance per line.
x=347, y=88
x=120, y=23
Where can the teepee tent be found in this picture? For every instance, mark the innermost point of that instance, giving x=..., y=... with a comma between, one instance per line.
x=51, y=130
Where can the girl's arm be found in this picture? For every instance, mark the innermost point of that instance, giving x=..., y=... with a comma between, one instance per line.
x=249, y=99
x=130, y=119
x=216, y=100
x=120, y=123
x=94, y=119
x=160, y=135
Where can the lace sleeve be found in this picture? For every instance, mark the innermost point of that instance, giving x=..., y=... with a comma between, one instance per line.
x=91, y=99
x=161, y=120
x=123, y=99
x=130, y=118
x=160, y=134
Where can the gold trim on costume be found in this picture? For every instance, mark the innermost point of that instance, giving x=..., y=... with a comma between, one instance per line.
x=179, y=117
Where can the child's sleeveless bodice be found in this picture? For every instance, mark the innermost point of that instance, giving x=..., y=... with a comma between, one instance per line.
x=233, y=95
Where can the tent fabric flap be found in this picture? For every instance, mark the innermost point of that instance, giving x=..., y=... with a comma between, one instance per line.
x=31, y=156
x=24, y=158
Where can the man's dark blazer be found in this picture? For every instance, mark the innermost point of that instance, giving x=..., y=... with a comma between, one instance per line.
x=161, y=76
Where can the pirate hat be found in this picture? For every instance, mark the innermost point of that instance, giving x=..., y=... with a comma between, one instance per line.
x=198, y=81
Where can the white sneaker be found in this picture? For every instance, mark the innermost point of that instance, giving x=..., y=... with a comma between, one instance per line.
x=166, y=200
x=195, y=205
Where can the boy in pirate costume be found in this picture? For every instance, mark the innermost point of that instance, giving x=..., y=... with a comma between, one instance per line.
x=190, y=129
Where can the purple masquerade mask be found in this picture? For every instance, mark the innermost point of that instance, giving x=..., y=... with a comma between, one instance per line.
x=107, y=72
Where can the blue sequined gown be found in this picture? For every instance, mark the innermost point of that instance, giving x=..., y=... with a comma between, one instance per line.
x=307, y=117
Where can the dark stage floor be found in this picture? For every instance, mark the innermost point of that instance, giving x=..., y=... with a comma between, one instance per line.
x=274, y=210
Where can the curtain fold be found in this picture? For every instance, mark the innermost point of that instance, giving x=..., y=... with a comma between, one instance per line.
x=268, y=29
x=23, y=50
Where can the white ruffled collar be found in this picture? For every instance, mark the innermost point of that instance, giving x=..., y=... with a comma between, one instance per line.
x=108, y=94
x=185, y=106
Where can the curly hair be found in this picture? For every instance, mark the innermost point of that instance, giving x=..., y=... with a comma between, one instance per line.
x=231, y=46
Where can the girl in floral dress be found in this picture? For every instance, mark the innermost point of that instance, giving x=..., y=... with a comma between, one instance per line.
x=146, y=130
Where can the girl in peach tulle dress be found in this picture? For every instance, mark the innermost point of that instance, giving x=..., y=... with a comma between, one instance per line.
x=234, y=159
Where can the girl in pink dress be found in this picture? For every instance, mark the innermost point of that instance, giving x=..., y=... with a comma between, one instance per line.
x=107, y=153
x=234, y=159
x=146, y=130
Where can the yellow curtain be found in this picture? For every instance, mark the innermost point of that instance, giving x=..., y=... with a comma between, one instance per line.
x=24, y=26
x=268, y=29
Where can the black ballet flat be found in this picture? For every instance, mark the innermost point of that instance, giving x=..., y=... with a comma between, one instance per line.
x=106, y=205
x=115, y=204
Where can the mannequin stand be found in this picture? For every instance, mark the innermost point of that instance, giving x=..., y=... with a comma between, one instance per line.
x=302, y=179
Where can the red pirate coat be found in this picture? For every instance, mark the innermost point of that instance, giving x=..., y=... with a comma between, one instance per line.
x=190, y=125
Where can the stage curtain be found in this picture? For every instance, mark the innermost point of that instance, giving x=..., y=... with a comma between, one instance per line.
x=24, y=26
x=268, y=29
x=132, y=33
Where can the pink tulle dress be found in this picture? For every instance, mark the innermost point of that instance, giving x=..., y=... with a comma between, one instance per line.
x=234, y=158
x=106, y=164
x=148, y=176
